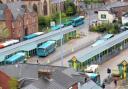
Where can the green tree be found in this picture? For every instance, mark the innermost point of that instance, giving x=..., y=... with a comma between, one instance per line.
x=69, y=11
x=43, y=22
x=13, y=84
x=70, y=8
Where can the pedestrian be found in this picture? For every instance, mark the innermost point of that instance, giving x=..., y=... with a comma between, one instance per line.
x=115, y=82
x=37, y=61
x=103, y=85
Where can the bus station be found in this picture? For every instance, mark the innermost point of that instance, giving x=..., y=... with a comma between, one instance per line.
x=101, y=53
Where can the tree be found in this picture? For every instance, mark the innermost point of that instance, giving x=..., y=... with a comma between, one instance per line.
x=70, y=8
x=13, y=83
x=43, y=22
x=69, y=11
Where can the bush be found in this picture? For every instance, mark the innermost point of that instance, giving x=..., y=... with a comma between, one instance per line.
x=70, y=8
x=13, y=84
x=106, y=27
x=43, y=22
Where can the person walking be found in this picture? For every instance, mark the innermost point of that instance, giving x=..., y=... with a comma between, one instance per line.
x=37, y=61
x=115, y=82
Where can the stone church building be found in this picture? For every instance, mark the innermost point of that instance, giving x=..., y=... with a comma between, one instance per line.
x=16, y=21
x=42, y=7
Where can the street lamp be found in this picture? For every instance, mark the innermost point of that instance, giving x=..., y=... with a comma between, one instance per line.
x=61, y=34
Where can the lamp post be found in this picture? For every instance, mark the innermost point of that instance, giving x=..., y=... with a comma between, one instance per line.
x=61, y=45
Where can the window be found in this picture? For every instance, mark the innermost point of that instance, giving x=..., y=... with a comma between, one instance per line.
x=103, y=16
x=45, y=8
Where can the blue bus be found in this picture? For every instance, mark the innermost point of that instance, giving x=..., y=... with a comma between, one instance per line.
x=107, y=36
x=46, y=48
x=68, y=23
x=57, y=27
x=18, y=57
x=77, y=21
x=33, y=35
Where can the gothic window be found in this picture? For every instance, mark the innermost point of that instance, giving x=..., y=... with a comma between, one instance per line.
x=35, y=7
x=45, y=7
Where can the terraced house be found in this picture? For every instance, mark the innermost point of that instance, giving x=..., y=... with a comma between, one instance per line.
x=17, y=21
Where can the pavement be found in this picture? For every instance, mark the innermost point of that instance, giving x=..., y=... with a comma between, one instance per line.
x=112, y=64
x=120, y=85
x=70, y=47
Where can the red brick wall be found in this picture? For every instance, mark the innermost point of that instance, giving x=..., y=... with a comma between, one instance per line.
x=9, y=19
x=18, y=31
x=31, y=22
x=4, y=79
x=17, y=27
x=75, y=86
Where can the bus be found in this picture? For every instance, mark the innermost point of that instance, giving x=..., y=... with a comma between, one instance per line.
x=57, y=27
x=107, y=36
x=77, y=21
x=8, y=43
x=18, y=57
x=46, y=48
x=68, y=23
x=33, y=35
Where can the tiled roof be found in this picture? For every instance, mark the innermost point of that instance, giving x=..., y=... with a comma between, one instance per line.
x=90, y=85
x=2, y=8
x=60, y=80
x=16, y=8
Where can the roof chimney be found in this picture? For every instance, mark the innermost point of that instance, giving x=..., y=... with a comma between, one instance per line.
x=45, y=73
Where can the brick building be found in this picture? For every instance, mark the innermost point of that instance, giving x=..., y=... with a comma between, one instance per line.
x=42, y=7
x=45, y=7
x=18, y=20
x=4, y=79
x=119, y=11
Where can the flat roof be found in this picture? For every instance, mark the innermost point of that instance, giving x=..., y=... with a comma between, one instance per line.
x=92, y=51
x=56, y=37
x=98, y=42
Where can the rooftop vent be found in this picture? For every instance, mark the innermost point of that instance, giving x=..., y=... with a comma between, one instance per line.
x=45, y=73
